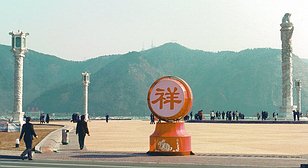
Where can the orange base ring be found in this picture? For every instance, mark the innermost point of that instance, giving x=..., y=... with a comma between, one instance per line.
x=170, y=139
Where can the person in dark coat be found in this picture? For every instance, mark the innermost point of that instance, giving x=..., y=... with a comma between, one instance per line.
x=223, y=115
x=47, y=118
x=27, y=132
x=152, y=118
x=297, y=115
x=42, y=116
x=107, y=118
x=82, y=130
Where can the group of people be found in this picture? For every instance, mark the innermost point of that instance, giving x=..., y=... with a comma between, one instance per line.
x=228, y=115
x=198, y=116
x=264, y=115
x=296, y=115
x=44, y=118
x=75, y=117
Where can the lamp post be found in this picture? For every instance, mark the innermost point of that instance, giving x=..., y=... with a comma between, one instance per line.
x=86, y=81
x=19, y=50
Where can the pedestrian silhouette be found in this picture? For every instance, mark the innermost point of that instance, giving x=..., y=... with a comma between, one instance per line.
x=27, y=132
x=82, y=130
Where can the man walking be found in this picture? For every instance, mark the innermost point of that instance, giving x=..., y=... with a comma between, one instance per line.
x=82, y=130
x=27, y=132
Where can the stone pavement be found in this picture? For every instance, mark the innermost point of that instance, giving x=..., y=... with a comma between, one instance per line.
x=72, y=152
x=52, y=149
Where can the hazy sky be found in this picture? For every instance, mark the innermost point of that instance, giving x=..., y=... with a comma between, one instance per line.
x=82, y=29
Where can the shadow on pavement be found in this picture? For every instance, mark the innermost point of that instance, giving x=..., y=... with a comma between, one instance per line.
x=9, y=157
x=121, y=155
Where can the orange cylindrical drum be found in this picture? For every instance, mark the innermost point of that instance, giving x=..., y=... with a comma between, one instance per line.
x=170, y=99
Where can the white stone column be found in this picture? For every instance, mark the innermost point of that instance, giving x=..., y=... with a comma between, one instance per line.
x=86, y=81
x=287, y=67
x=298, y=87
x=18, y=88
x=19, y=49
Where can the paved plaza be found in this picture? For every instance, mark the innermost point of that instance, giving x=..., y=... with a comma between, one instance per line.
x=133, y=136
x=221, y=145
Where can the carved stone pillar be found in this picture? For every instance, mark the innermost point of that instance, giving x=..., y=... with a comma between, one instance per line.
x=287, y=67
x=19, y=49
x=18, y=88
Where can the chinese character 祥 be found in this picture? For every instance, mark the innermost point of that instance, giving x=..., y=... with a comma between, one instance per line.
x=169, y=96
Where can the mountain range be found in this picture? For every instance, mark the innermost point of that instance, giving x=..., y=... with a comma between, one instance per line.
x=248, y=81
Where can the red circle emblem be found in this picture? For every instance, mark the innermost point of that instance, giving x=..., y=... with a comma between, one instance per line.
x=170, y=98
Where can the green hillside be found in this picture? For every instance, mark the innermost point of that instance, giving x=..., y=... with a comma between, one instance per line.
x=248, y=81
x=41, y=73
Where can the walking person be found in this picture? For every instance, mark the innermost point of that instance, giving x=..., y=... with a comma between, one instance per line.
x=233, y=115
x=297, y=115
x=27, y=132
x=223, y=115
x=275, y=115
x=47, y=118
x=42, y=116
x=294, y=115
x=236, y=115
x=258, y=115
x=212, y=115
x=107, y=118
x=152, y=119
x=82, y=130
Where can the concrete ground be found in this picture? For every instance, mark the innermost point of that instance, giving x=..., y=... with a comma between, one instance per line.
x=225, y=145
x=214, y=138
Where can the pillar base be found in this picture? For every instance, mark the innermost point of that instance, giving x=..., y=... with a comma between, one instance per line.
x=18, y=117
x=6, y=126
x=287, y=112
x=170, y=139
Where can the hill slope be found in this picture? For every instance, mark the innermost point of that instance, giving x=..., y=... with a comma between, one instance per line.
x=41, y=73
x=248, y=81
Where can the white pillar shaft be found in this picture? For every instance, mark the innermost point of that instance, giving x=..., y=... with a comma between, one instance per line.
x=18, y=88
x=85, y=95
x=287, y=81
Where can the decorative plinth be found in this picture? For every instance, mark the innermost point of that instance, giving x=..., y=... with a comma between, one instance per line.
x=18, y=117
x=286, y=112
x=5, y=126
x=170, y=139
